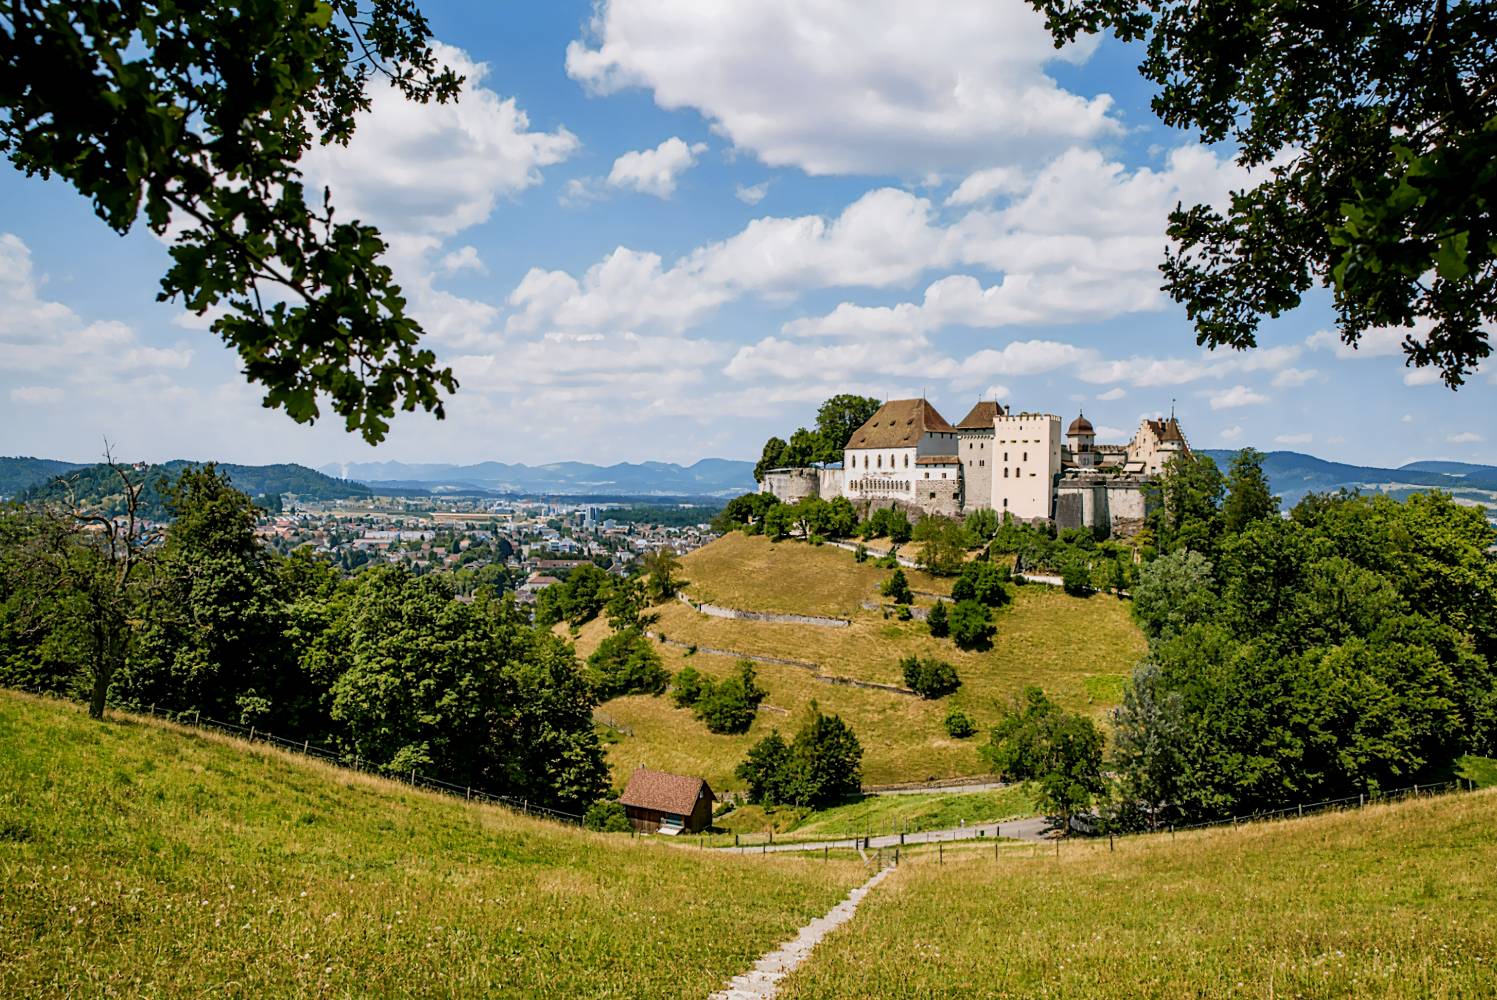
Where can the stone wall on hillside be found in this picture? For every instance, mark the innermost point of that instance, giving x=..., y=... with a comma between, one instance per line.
x=718, y=611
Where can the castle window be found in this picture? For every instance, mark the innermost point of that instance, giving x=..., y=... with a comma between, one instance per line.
x=1026, y=456
x=1005, y=501
x=907, y=461
x=982, y=462
x=927, y=475
x=1005, y=472
x=1005, y=456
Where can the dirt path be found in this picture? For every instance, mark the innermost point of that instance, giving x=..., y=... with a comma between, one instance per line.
x=1033, y=828
x=763, y=980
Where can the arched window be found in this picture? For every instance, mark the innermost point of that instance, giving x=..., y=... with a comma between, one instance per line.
x=1005, y=472
x=881, y=461
x=1026, y=456
x=907, y=461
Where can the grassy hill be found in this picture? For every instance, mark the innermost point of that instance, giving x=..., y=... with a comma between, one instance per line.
x=1393, y=901
x=1079, y=650
x=138, y=859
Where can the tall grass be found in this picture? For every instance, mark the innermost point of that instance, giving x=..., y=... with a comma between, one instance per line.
x=137, y=859
x=1392, y=901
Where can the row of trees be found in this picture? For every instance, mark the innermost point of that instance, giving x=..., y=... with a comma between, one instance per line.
x=387, y=667
x=1346, y=648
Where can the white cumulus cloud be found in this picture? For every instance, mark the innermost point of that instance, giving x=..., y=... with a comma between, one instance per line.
x=879, y=87
x=1237, y=395
x=654, y=171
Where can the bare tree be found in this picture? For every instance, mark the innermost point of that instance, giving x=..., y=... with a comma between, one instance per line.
x=84, y=564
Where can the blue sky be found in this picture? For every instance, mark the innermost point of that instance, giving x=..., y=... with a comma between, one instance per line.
x=665, y=229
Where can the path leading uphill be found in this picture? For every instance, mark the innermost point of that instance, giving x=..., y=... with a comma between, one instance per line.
x=1033, y=828
x=763, y=980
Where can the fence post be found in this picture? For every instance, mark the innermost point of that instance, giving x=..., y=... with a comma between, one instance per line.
x=470, y=793
x=306, y=745
x=735, y=840
x=940, y=854
x=252, y=734
x=153, y=709
x=826, y=852
x=197, y=717
x=1361, y=799
x=1110, y=848
x=1301, y=808
x=355, y=762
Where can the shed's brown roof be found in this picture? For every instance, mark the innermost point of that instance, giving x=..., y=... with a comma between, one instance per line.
x=981, y=417
x=899, y=423
x=668, y=793
x=937, y=460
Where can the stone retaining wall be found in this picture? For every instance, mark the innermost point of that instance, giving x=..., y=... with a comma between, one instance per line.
x=718, y=611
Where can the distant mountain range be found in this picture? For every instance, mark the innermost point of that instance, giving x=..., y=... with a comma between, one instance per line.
x=1291, y=475
x=719, y=477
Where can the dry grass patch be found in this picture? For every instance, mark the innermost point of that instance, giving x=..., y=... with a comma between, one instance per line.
x=788, y=577
x=1393, y=901
x=136, y=860
x=1080, y=650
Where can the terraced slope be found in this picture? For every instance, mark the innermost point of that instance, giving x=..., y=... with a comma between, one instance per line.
x=141, y=860
x=1078, y=649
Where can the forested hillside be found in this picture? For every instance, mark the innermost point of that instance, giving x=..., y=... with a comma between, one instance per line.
x=98, y=486
x=17, y=473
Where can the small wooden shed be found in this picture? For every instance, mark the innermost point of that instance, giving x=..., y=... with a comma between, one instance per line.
x=657, y=801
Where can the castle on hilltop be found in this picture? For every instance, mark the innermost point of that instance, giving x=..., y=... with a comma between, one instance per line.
x=906, y=455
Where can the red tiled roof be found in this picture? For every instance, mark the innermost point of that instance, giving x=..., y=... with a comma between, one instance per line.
x=981, y=417
x=899, y=423
x=668, y=793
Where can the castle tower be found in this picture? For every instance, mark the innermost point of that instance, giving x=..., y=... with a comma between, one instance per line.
x=1080, y=439
x=1026, y=463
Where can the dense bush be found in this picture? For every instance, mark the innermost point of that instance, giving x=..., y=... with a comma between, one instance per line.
x=607, y=817
x=943, y=544
x=687, y=687
x=937, y=621
x=1076, y=577
x=897, y=588
x=890, y=523
x=959, y=725
x=928, y=677
x=983, y=582
x=626, y=663
x=971, y=625
x=729, y=706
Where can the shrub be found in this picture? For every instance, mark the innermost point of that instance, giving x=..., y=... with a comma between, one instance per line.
x=607, y=817
x=971, y=626
x=816, y=540
x=860, y=554
x=929, y=678
x=939, y=625
x=729, y=706
x=905, y=614
x=897, y=588
x=686, y=689
x=982, y=582
x=882, y=562
x=1076, y=577
x=959, y=725
x=625, y=663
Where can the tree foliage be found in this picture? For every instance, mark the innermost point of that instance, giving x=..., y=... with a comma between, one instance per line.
x=929, y=677
x=1373, y=129
x=983, y=582
x=1345, y=650
x=1036, y=740
x=897, y=588
x=196, y=116
x=937, y=620
x=820, y=767
x=626, y=663
x=971, y=625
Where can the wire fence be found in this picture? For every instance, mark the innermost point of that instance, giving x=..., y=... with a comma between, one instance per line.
x=1335, y=805
x=355, y=762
